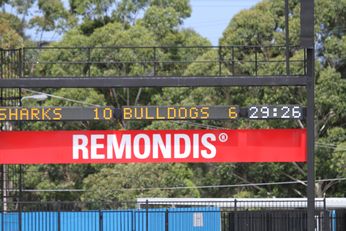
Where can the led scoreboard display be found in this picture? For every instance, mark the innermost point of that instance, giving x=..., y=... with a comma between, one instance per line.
x=150, y=113
x=180, y=113
x=56, y=113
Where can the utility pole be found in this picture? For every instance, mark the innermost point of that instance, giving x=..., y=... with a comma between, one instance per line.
x=307, y=38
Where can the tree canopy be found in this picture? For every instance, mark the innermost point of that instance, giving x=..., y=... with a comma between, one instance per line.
x=103, y=23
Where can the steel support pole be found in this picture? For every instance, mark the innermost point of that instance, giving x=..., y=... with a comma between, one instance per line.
x=311, y=125
x=20, y=206
x=167, y=220
x=4, y=187
x=287, y=37
x=235, y=217
x=59, y=216
x=325, y=215
x=307, y=41
x=146, y=215
x=311, y=139
x=100, y=220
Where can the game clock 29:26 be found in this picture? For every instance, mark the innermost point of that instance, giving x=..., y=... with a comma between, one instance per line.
x=275, y=112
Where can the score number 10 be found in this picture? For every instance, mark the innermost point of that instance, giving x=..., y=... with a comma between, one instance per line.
x=275, y=112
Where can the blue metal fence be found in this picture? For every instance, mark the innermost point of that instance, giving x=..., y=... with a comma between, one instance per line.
x=160, y=219
x=161, y=216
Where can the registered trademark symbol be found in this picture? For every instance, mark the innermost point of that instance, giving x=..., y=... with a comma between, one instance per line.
x=223, y=137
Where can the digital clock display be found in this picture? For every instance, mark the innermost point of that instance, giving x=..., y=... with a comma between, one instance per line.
x=275, y=112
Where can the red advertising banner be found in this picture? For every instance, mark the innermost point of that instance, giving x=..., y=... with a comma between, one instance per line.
x=62, y=147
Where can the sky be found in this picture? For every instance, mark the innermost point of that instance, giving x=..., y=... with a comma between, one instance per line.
x=211, y=17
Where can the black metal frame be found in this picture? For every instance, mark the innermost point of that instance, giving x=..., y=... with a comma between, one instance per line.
x=17, y=65
x=119, y=82
x=230, y=214
x=17, y=80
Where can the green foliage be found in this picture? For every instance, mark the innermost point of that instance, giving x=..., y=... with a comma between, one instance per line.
x=247, y=29
x=90, y=8
x=161, y=20
x=9, y=38
x=13, y=22
x=46, y=178
x=339, y=158
x=263, y=24
x=54, y=15
x=22, y=6
x=331, y=100
x=182, y=7
x=126, y=182
x=128, y=10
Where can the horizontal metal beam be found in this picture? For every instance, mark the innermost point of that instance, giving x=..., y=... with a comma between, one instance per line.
x=117, y=82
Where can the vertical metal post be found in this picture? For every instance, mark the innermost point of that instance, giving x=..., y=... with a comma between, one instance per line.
x=166, y=220
x=133, y=219
x=232, y=58
x=19, y=63
x=100, y=220
x=2, y=201
x=256, y=62
x=19, y=124
x=219, y=52
x=4, y=187
x=8, y=64
x=21, y=167
x=23, y=62
x=311, y=138
x=20, y=197
x=146, y=215
x=155, y=63
x=223, y=219
x=1, y=63
x=235, y=225
x=12, y=64
x=89, y=64
x=304, y=63
x=59, y=216
x=325, y=215
x=307, y=35
x=287, y=37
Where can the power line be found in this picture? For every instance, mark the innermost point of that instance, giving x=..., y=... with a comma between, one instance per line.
x=199, y=125
x=220, y=127
x=190, y=187
x=62, y=98
x=331, y=147
x=220, y=6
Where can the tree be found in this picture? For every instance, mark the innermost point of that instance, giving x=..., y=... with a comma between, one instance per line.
x=10, y=32
x=47, y=178
x=53, y=16
x=126, y=182
x=9, y=38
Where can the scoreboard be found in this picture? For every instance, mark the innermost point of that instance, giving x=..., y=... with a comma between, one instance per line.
x=180, y=113
x=232, y=112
